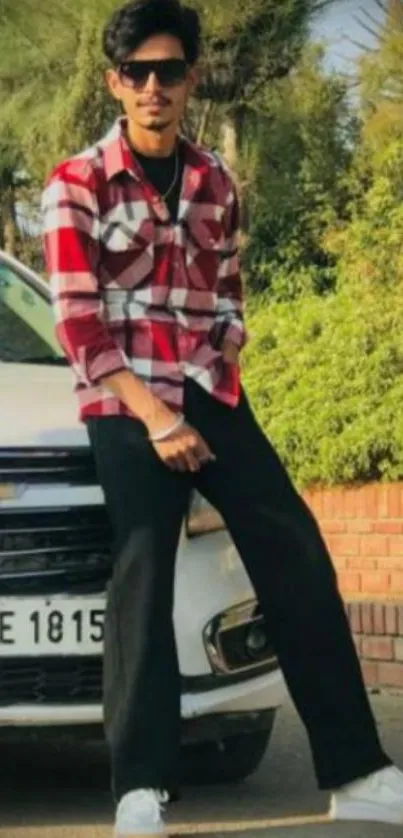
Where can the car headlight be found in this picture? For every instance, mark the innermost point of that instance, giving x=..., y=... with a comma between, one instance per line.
x=202, y=518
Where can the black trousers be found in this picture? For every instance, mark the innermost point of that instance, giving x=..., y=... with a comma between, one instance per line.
x=290, y=569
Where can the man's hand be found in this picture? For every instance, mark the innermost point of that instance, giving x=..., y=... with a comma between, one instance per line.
x=185, y=450
x=230, y=352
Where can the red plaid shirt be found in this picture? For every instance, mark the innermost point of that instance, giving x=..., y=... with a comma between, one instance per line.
x=131, y=288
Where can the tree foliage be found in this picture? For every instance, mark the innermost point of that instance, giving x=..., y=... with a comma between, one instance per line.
x=62, y=104
x=326, y=372
x=297, y=188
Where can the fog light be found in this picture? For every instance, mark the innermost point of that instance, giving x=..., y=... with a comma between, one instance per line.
x=256, y=642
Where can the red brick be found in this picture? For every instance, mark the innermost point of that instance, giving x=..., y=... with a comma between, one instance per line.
x=361, y=503
x=388, y=563
x=395, y=546
x=351, y=508
x=354, y=616
x=349, y=583
x=382, y=501
x=327, y=503
x=378, y=648
x=370, y=671
x=396, y=582
x=362, y=564
x=379, y=618
x=391, y=616
x=394, y=508
x=340, y=565
x=398, y=647
x=362, y=525
x=333, y=525
x=345, y=545
x=338, y=503
x=377, y=582
x=357, y=642
x=391, y=674
x=388, y=527
x=367, y=625
x=374, y=545
x=316, y=501
x=400, y=619
x=369, y=501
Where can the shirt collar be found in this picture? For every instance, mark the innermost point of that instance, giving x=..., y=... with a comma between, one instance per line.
x=118, y=157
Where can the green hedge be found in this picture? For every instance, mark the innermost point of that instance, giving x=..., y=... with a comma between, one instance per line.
x=325, y=376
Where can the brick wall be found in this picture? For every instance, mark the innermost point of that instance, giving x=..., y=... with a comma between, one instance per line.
x=363, y=528
x=378, y=633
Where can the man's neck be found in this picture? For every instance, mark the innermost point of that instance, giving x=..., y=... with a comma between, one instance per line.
x=152, y=143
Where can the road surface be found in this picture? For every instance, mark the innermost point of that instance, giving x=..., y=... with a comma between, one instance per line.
x=57, y=790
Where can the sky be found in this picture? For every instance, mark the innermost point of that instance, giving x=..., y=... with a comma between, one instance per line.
x=338, y=24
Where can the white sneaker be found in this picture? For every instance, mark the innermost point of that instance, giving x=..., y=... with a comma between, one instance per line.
x=378, y=797
x=139, y=813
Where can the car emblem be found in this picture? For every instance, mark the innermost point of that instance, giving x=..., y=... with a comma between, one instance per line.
x=11, y=491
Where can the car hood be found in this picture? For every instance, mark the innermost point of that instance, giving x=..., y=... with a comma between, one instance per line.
x=38, y=407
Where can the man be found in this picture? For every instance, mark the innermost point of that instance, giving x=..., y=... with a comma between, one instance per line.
x=141, y=247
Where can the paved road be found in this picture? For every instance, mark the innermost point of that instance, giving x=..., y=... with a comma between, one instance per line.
x=58, y=791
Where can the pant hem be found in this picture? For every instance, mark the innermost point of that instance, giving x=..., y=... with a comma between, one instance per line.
x=351, y=774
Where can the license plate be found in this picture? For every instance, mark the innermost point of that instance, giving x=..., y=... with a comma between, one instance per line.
x=53, y=625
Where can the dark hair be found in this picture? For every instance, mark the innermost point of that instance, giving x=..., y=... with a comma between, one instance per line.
x=139, y=20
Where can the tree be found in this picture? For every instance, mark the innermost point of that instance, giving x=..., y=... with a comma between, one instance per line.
x=248, y=42
x=368, y=246
x=302, y=136
x=10, y=161
x=61, y=104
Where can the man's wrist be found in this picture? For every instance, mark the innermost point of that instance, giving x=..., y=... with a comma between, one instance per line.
x=158, y=419
x=160, y=436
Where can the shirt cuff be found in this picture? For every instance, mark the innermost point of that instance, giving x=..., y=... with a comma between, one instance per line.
x=105, y=364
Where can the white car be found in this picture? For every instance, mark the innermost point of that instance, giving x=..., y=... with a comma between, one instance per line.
x=55, y=559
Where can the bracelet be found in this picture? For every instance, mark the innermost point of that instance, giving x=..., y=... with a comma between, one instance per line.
x=161, y=435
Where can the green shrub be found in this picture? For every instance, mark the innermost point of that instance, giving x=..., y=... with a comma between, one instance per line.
x=325, y=376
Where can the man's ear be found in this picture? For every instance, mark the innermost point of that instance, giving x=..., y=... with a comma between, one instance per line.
x=113, y=83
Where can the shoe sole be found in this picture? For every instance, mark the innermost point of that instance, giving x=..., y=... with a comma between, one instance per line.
x=356, y=811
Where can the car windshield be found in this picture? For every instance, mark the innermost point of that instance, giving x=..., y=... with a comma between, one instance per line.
x=26, y=321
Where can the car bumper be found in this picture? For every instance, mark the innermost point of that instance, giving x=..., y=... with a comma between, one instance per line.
x=262, y=693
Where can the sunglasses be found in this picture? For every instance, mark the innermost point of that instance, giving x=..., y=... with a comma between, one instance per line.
x=169, y=72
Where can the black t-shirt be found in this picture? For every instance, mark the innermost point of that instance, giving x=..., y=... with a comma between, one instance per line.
x=160, y=172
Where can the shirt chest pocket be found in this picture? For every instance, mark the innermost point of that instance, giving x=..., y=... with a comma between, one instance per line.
x=207, y=234
x=127, y=227
x=127, y=238
x=206, y=245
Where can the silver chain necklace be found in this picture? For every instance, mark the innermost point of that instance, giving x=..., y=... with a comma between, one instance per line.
x=173, y=184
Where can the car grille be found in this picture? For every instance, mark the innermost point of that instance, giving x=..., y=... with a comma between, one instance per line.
x=70, y=466
x=67, y=680
x=50, y=550
x=47, y=550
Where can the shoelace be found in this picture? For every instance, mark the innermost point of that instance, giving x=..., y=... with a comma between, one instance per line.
x=142, y=805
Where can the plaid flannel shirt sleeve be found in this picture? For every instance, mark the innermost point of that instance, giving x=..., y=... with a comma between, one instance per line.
x=229, y=316
x=71, y=247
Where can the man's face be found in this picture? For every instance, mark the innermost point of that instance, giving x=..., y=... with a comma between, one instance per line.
x=153, y=102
